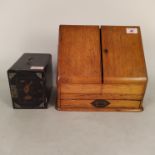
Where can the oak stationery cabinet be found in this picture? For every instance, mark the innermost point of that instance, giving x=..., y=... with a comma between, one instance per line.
x=100, y=69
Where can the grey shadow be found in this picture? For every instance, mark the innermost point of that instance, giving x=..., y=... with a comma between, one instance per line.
x=5, y=96
x=53, y=98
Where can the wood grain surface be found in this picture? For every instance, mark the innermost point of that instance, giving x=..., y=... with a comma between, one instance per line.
x=79, y=54
x=123, y=56
x=104, y=91
x=86, y=105
x=106, y=63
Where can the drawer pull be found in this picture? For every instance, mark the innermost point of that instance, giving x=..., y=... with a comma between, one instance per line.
x=100, y=103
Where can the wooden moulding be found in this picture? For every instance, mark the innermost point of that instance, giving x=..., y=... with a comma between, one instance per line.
x=106, y=91
x=100, y=110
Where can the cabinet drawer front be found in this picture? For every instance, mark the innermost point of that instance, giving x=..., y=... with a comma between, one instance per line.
x=112, y=105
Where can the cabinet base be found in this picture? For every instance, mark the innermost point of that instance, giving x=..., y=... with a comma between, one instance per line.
x=99, y=110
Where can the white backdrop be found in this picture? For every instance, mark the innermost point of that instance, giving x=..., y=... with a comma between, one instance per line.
x=32, y=26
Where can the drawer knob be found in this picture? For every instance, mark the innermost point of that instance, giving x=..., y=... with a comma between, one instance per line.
x=100, y=103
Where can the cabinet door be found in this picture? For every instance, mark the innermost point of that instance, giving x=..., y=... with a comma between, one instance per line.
x=122, y=53
x=79, y=59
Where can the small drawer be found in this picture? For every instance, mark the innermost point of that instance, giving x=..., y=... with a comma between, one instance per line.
x=100, y=105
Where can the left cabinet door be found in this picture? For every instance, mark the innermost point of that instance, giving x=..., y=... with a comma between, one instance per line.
x=79, y=57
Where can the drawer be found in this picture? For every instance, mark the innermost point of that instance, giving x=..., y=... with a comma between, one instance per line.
x=100, y=105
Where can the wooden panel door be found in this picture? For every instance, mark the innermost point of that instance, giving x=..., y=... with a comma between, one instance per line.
x=79, y=59
x=123, y=57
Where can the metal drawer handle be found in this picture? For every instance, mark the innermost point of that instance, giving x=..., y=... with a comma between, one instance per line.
x=100, y=103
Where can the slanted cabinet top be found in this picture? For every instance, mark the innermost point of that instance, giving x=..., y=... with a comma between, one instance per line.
x=88, y=55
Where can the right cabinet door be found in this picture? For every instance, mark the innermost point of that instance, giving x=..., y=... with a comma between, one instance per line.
x=122, y=55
